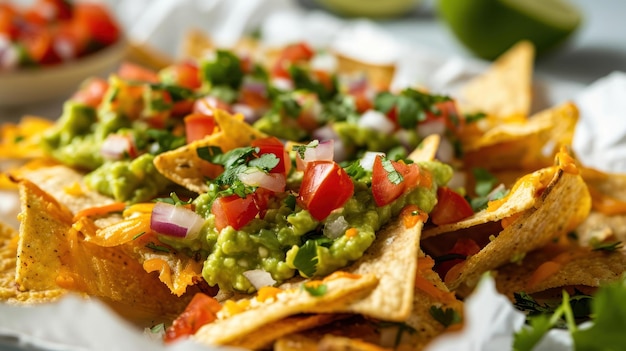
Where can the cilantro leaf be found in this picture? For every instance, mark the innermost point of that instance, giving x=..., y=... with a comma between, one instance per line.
x=225, y=70
x=162, y=140
x=474, y=117
x=265, y=162
x=315, y=289
x=598, y=245
x=394, y=176
x=302, y=80
x=287, y=105
x=609, y=311
x=306, y=259
x=485, y=181
x=356, y=171
x=445, y=316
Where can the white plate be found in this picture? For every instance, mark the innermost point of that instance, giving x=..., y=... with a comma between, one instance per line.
x=30, y=86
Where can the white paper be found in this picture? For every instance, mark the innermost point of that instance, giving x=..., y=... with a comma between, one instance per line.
x=76, y=324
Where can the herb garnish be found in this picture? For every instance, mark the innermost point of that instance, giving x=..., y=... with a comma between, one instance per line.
x=445, y=316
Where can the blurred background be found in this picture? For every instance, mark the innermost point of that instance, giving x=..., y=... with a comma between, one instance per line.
x=584, y=40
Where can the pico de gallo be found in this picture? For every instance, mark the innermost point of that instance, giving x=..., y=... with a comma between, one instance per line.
x=308, y=199
x=49, y=32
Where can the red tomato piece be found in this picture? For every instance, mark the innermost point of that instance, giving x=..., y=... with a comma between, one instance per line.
x=449, y=114
x=185, y=74
x=201, y=310
x=8, y=21
x=451, y=207
x=384, y=189
x=38, y=42
x=463, y=247
x=198, y=125
x=96, y=20
x=271, y=145
x=234, y=211
x=91, y=92
x=131, y=71
x=291, y=54
x=325, y=187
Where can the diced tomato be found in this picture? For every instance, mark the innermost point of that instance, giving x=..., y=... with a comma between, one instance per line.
x=91, y=92
x=157, y=106
x=254, y=99
x=39, y=45
x=69, y=42
x=271, y=145
x=96, y=20
x=451, y=207
x=198, y=125
x=131, y=71
x=291, y=54
x=449, y=114
x=384, y=189
x=8, y=21
x=201, y=310
x=362, y=102
x=310, y=109
x=234, y=211
x=44, y=11
x=463, y=247
x=185, y=74
x=325, y=187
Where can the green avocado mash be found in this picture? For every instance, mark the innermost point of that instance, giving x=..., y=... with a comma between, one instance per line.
x=287, y=234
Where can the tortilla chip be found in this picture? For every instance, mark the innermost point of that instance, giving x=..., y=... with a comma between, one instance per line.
x=528, y=145
x=505, y=89
x=523, y=196
x=561, y=207
x=575, y=267
x=393, y=259
x=21, y=141
x=51, y=255
x=380, y=76
x=426, y=150
x=196, y=44
x=266, y=335
x=183, y=165
x=340, y=292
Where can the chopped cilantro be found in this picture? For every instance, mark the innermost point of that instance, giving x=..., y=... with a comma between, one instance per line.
x=301, y=149
x=394, y=176
x=303, y=80
x=225, y=70
x=473, y=117
x=286, y=105
x=315, y=289
x=306, y=259
x=156, y=247
x=598, y=245
x=137, y=236
x=484, y=187
x=265, y=162
x=356, y=171
x=161, y=140
x=173, y=200
x=445, y=316
x=411, y=105
x=290, y=202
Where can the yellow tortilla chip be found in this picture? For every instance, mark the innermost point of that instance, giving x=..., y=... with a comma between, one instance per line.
x=505, y=89
x=558, y=267
x=380, y=76
x=340, y=292
x=183, y=165
x=563, y=205
x=51, y=255
x=529, y=144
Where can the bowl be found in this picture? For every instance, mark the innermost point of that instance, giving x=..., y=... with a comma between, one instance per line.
x=36, y=85
x=370, y=8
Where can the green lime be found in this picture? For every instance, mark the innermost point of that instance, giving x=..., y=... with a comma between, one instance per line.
x=490, y=27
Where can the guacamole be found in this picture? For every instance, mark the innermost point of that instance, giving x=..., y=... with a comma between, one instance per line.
x=288, y=234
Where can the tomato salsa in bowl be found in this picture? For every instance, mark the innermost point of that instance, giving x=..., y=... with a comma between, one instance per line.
x=49, y=47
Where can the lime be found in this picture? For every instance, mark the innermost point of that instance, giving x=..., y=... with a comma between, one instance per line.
x=370, y=8
x=490, y=27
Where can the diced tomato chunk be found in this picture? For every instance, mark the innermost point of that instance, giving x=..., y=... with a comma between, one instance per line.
x=449, y=114
x=96, y=20
x=201, y=310
x=325, y=187
x=131, y=71
x=185, y=74
x=293, y=53
x=463, y=247
x=451, y=207
x=91, y=92
x=271, y=145
x=198, y=125
x=234, y=211
x=384, y=189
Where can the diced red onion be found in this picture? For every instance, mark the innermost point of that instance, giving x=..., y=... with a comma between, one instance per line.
x=207, y=104
x=445, y=153
x=367, y=161
x=249, y=114
x=324, y=62
x=116, y=147
x=271, y=181
x=376, y=120
x=176, y=221
x=335, y=228
x=325, y=133
x=458, y=180
x=340, y=151
x=259, y=278
x=431, y=127
x=282, y=83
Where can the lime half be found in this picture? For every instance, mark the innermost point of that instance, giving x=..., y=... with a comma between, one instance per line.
x=490, y=27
